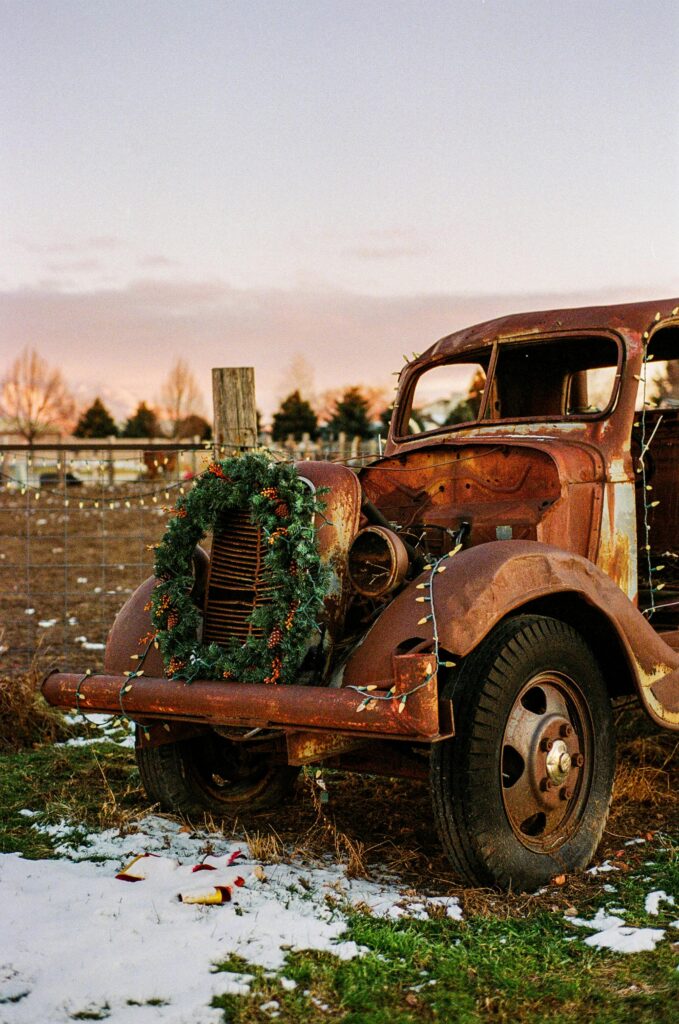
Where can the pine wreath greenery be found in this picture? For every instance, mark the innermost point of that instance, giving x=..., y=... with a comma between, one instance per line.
x=284, y=507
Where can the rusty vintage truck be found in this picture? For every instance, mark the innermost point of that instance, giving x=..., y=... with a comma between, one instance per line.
x=541, y=448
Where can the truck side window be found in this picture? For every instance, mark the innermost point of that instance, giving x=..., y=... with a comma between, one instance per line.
x=555, y=379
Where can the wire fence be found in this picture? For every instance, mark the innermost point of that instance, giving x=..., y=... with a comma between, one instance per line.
x=77, y=525
x=78, y=522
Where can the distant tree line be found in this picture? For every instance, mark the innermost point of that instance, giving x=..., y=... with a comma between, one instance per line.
x=35, y=399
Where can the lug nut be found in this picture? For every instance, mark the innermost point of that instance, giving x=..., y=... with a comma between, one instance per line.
x=546, y=744
x=566, y=793
x=545, y=785
x=577, y=760
x=565, y=730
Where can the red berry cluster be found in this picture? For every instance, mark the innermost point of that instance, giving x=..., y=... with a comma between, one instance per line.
x=291, y=614
x=275, y=674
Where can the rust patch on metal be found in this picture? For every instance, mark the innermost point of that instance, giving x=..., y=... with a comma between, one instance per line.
x=311, y=747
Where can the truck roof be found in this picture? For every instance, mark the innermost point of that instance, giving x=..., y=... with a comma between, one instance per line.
x=629, y=317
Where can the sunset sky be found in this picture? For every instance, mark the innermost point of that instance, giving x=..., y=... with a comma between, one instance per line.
x=241, y=181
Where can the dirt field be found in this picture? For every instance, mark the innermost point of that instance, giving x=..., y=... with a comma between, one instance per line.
x=66, y=570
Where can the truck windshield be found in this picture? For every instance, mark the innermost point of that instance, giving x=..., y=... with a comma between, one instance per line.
x=550, y=379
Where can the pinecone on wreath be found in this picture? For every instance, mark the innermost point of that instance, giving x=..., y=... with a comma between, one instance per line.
x=282, y=510
x=275, y=638
x=172, y=619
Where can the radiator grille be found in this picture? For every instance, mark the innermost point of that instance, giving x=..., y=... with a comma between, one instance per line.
x=237, y=581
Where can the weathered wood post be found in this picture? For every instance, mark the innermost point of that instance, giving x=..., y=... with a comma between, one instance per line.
x=234, y=409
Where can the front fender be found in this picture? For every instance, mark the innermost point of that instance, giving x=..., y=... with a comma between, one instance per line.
x=484, y=584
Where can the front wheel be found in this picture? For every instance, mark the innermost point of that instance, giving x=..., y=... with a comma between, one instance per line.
x=211, y=773
x=522, y=792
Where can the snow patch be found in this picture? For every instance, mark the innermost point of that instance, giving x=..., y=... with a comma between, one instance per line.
x=654, y=899
x=135, y=953
x=625, y=939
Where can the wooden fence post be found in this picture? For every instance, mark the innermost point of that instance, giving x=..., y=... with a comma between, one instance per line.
x=235, y=412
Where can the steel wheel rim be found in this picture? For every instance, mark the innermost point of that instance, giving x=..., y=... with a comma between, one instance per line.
x=546, y=761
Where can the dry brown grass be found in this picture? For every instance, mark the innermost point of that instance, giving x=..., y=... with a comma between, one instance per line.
x=112, y=810
x=647, y=774
x=265, y=847
x=25, y=719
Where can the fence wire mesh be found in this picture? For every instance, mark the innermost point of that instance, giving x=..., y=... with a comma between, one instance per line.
x=77, y=527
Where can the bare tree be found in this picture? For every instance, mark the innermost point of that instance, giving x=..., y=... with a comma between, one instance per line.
x=34, y=397
x=180, y=395
x=298, y=376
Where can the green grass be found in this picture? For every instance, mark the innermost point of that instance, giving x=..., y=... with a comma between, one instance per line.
x=96, y=786
x=479, y=970
x=527, y=965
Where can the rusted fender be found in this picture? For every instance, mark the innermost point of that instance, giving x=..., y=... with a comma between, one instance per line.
x=125, y=637
x=482, y=585
x=335, y=530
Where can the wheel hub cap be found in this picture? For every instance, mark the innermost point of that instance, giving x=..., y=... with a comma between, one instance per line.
x=546, y=761
x=558, y=763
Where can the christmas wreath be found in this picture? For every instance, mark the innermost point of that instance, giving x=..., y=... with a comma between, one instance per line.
x=284, y=506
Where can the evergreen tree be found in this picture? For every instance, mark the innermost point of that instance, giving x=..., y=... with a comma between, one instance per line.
x=96, y=422
x=351, y=415
x=194, y=426
x=144, y=423
x=295, y=416
x=468, y=408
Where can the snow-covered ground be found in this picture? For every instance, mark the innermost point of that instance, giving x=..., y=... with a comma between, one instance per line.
x=76, y=940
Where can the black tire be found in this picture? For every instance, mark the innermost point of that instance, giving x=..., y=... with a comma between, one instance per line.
x=210, y=773
x=530, y=703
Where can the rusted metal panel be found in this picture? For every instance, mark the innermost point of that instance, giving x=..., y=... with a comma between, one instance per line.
x=247, y=704
x=312, y=747
x=131, y=625
x=336, y=527
x=632, y=317
x=484, y=584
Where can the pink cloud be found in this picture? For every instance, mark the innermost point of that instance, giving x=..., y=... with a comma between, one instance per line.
x=129, y=337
